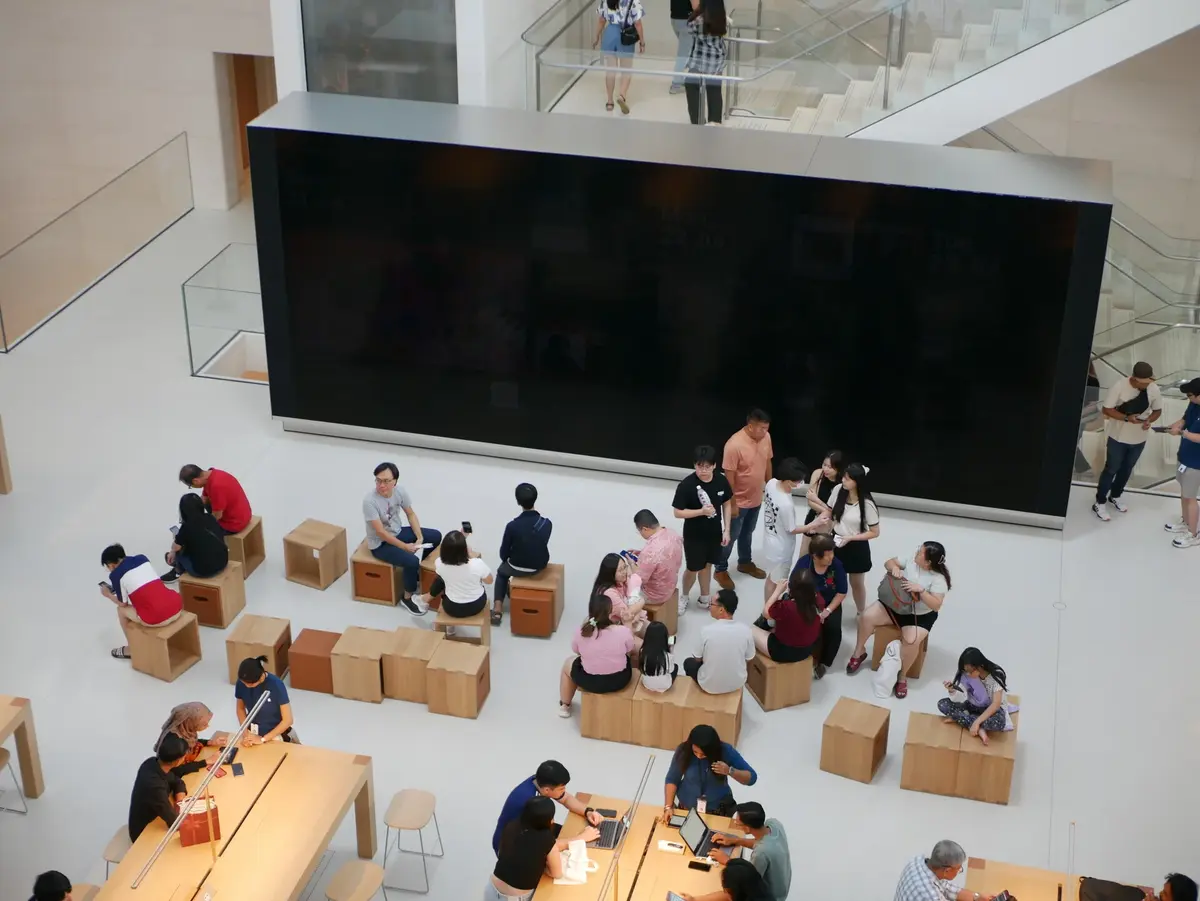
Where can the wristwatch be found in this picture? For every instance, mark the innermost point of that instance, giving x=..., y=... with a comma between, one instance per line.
x=588, y=810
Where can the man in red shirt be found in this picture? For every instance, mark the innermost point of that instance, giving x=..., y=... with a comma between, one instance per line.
x=222, y=493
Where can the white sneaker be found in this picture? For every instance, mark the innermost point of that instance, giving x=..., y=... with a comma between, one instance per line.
x=681, y=606
x=1101, y=512
x=451, y=631
x=1119, y=505
x=564, y=710
x=1177, y=526
x=704, y=602
x=416, y=605
x=1187, y=539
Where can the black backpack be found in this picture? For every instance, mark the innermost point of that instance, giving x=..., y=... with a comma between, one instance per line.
x=1103, y=890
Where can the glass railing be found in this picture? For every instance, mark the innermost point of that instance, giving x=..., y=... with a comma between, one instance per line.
x=222, y=312
x=52, y=267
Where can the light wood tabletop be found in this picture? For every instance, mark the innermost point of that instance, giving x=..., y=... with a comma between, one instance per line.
x=668, y=871
x=990, y=877
x=16, y=720
x=276, y=821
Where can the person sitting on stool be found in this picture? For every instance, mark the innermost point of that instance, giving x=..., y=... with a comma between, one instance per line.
x=524, y=549
x=461, y=577
x=157, y=791
x=395, y=535
x=274, y=719
x=199, y=547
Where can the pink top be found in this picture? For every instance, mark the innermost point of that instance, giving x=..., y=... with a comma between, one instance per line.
x=605, y=651
x=620, y=601
x=659, y=563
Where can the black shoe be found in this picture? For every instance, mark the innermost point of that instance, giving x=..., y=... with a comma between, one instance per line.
x=172, y=576
x=415, y=605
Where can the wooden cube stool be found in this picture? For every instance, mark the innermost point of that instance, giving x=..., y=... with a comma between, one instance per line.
x=723, y=712
x=412, y=810
x=405, y=664
x=481, y=621
x=355, y=880
x=854, y=739
x=373, y=580
x=666, y=613
x=931, y=755
x=458, y=679
x=259, y=636
x=247, y=546
x=885, y=635
x=165, y=652
x=985, y=772
x=536, y=602
x=658, y=716
x=609, y=716
x=357, y=663
x=310, y=660
x=775, y=685
x=216, y=601
x=314, y=554
x=426, y=575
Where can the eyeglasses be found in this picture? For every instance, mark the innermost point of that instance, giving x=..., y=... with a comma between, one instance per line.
x=384, y=481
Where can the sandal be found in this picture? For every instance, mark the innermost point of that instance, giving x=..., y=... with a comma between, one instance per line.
x=623, y=105
x=121, y=653
x=855, y=664
x=819, y=671
x=608, y=107
x=497, y=617
x=902, y=690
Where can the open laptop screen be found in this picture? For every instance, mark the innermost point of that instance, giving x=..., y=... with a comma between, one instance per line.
x=692, y=831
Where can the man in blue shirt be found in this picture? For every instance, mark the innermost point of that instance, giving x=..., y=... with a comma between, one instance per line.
x=524, y=549
x=551, y=781
x=1187, y=474
x=274, y=718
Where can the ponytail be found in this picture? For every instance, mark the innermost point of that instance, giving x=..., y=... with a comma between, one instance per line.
x=935, y=556
x=599, y=615
x=252, y=669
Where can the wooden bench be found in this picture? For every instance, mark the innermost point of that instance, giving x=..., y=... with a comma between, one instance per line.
x=609, y=717
x=406, y=662
x=458, y=679
x=775, y=685
x=216, y=601
x=259, y=636
x=314, y=554
x=854, y=739
x=481, y=621
x=885, y=635
x=536, y=602
x=666, y=613
x=247, y=546
x=664, y=719
x=356, y=663
x=165, y=652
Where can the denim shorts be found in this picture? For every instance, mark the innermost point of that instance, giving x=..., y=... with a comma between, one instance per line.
x=610, y=41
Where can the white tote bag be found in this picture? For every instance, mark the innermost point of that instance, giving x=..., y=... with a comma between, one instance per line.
x=883, y=680
x=576, y=864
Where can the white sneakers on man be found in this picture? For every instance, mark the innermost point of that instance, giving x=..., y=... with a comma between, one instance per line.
x=1101, y=512
x=1118, y=505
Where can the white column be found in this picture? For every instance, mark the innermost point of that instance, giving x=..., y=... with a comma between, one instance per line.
x=287, y=37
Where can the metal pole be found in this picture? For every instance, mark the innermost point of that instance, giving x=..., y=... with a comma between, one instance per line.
x=230, y=744
x=887, y=62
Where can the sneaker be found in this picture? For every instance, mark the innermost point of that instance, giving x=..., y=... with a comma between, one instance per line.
x=1119, y=505
x=723, y=579
x=703, y=602
x=451, y=631
x=415, y=605
x=172, y=576
x=564, y=710
x=676, y=89
x=1101, y=512
x=1186, y=540
x=681, y=606
x=1177, y=526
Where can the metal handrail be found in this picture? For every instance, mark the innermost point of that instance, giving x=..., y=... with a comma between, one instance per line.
x=230, y=744
x=830, y=14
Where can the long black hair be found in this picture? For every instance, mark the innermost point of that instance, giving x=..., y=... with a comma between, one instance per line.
x=973, y=657
x=599, y=616
x=606, y=577
x=742, y=881
x=838, y=461
x=858, y=472
x=802, y=589
x=536, y=816
x=655, y=649
x=715, y=21
x=935, y=556
x=707, y=740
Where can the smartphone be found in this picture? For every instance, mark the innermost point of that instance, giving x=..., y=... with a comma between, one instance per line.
x=232, y=756
x=238, y=769
x=1153, y=428
x=104, y=585
x=677, y=820
x=671, y=896
x=607, y=812
x=1003, y=896
x=699, y=865
x=219, y=773
x=466, y=527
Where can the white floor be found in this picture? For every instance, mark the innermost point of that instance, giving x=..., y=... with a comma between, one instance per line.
x=1094, y=626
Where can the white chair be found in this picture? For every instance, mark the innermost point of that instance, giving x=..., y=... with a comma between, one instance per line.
x=411, y=810
x=6, y=761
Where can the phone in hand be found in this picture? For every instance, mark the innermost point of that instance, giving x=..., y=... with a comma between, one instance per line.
x=238, y=769
x=671, y=896
x=1160, y=428
x=104, y=585
x=699, y=865
x=466, y=527
x=1003, y=896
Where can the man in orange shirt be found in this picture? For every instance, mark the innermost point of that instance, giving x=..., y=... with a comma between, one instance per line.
x=747, y=465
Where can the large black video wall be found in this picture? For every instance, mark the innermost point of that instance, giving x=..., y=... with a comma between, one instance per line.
x=631, y=310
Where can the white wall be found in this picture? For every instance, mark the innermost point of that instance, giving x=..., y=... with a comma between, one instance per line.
x=91, y=88
x=287, y=40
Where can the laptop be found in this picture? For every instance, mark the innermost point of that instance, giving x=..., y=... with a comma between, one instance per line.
x=696, y=835
x=611, y=832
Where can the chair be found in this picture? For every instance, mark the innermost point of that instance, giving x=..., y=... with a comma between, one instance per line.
x=355, y=880
x=6, y=761
x=411, y=810
x=114, y=851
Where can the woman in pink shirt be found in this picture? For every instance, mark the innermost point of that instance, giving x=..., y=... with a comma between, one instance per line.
x=617, y=581
x=603, y=646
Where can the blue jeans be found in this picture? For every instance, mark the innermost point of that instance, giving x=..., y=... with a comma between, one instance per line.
x=741, y=533
x=407, y=562
x=1119, y=460
x=683, y=51
x=504, y=572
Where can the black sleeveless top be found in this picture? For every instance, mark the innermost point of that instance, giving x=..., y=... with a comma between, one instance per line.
x=824, y=489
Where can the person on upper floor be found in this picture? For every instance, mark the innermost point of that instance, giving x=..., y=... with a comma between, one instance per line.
x=199, y=547
x=273, y=722
x=699, y=775
x=524, y=549
x=1132, y=406
x=704, y=501
x=601, y=663
x=530, y=846
x=222, y=494
x=1187, y=473
x=855, y=523
x=141, y=597
x=157, y=791
x=550, y=781
x=820, y=486
x=747, y=466
x=187, y=721
x=659, y=560
x=769, y=842
x=395, y=534
x=831, y=582
x=725, y=647
x=616, y=579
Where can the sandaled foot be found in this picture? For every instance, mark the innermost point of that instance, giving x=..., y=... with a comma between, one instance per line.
x=902, y=690
x=497, y=617
x=121, y=653
x=623, y=105
x=855, y=664
x=608, y=107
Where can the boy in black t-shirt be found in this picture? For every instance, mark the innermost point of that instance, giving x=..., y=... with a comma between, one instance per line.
x=704, y=501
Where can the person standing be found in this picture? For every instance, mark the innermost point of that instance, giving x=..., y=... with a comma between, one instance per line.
x=779, y=523
x=747, y=465
x=704, y=501
x=855, y=523
x=1131, y=407
x=708, y=25
x=1187, y=474
x=820, y=485
x=659, y=560
x=395, y=535
x=725, y=647
x=524, y=549
x=681, y=11
x=222, y=494
x=615, y=18
x=769, y=842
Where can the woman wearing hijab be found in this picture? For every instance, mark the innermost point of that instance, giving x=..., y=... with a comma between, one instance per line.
x=188, y=721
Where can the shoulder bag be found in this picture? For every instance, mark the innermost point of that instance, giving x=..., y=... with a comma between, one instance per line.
x=629, y=32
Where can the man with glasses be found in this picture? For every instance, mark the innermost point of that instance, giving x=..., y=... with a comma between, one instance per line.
x=395, y=535
x=932, y=878
x=704, y=501
x=550, y=781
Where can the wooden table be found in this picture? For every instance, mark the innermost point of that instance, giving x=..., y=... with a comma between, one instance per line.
x=16, y=719
x=667, y=871
x=276, y=822
x=990, y=877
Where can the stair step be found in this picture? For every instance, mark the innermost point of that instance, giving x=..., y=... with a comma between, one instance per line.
x=803, y=119
x=828, y=111
x=757, y=123
x=945, y=54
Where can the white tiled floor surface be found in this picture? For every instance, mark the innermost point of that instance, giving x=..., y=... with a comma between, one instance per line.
x=1094, y=626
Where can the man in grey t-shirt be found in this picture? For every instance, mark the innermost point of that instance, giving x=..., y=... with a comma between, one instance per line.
x=395, y=534
x=771, y=855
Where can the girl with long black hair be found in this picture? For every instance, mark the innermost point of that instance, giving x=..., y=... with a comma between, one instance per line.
x=700, y=770
x=820, y=485
x=199, y=546
x=529, y=847
x=968, y=709
x=658, y=668
x=855, y=522
x=601, y=663
x=790, y=625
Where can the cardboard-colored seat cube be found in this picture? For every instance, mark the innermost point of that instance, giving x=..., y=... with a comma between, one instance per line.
x=885, y=635
x=854, y=739
x=310, y=660
x=259, y=636
x=985, y=772
x=357, y=663
x=666, y=613
x=723, y=712
x=216, y=601
x=406, y=661
x=536, y=602
x=165, y=652
x=931, y=755
x=373, y=580
x=658, y=715
x=314, y=554
x=479, y=626
x=247, y=546
x=775, y=685
x=458, y=679
x=609, y=716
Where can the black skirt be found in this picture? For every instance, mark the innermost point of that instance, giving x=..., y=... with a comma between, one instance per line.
x=462, y=611
x=855, y=556
x=785, y=653
x=600, y=685
x=921, y=620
